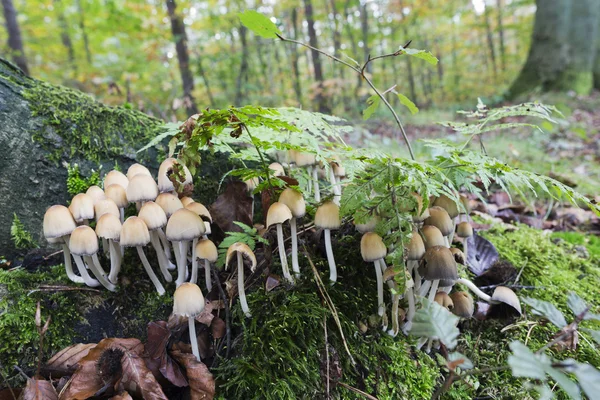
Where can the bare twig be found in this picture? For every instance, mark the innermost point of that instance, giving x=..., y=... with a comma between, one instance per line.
x=226, y=305
x=60, y=288
x=357, y=391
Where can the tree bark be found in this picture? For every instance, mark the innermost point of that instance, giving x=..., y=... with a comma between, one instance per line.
x=294, y=50
x=243, y=73
x=86, y=43
x=15, y=42
x=65, y=37
x=500, y=7
x=597, y=60
x=490, y=39
x=187, y=79
x=312, y=39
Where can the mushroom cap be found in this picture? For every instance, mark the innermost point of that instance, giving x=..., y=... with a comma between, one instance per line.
x=165, y=169
x=444, y=300
x=184, y=225
x=207, y=228
x=432, y=237
x=338, y=170
x=185, y=200
x=439, y=218
x=153, y=215
x=82, y=207
x=302, y=159
x=294, y=200
x=134, y=232
x=447, y=204
x=328, y=216
x=246, y=251
x=169, y=203
x=118, y=194
x=458, y=255
x=415, y=250
x=368, y=226
x=278, y=213
x=372, y=247
x=137, y=169
x=141, y=188
x=58, y=221
x=420, y=214
x=464, y=200
x=108, y=227
x=437, y=264
x=188, y=300
x=83, y=241
x=206, y=250
x=505, y=295
x=277, y=169
x=251, y=184
x=96, y=193
x=200, y=210
x=106, y=206
x=464, y=306
x=115, y=177
x=464, y=230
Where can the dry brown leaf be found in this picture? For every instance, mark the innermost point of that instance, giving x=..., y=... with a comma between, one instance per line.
x=202, y=382
x=206, y=316
x=65, y=361
x=138, y=379
x=10, y=394
x=158, y=338
x=122, y=396
x=38, y=389
x=233, y=205
x=171, y=370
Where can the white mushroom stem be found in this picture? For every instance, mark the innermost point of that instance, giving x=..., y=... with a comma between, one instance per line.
x=433, y=290
x=282, y=255
x=207, y=275
x=447, y=241
x=68, y=264
x=194, y=276
x=159, y=287
x=181, y=256
x=122, y=212
x=88, y=280
x=94, y=265
x=315, y=179
x=163, y=263
x=475, y=290
x=395, y=322
x=309, y=185
x=334, y=187
x=167, y=246
x=410, y=296
x=294, y=234
x=330, y=259
x=424, y=288
x=413, y=265
x=105, y=246
x=465, y=250
x=193, y=337
x=379, y=275
x=115, y=261
x=451, y=235
x=240, y=279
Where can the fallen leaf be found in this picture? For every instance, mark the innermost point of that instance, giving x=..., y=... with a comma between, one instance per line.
x=202, y=382
x=38, y=389
x=233, y=205
x=481, y=255
x=122, y=396
x=138, y=379
x=206, y=316
x=217, y=328
x=65, y=361
x=172, y=372
x=10, y=394
x=158, y=338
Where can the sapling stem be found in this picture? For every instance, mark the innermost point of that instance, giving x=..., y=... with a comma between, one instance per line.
x=475, y=289
x=88, y=280
x=193, y=337
x=159, y=287
x=69, y=265
x=160, y=254
x=294, y=234
x=241, y=291
x=330, y=259
x=282, y=255
x=379, y=276
x=315, y=178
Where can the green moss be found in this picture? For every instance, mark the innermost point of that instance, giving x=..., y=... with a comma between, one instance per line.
x=591, y=242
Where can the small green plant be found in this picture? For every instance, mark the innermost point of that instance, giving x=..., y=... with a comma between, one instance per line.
x=77, y=183
x=248, y=236
x=20, y=236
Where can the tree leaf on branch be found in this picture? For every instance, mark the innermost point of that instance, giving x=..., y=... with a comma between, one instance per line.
x=546, y=310
x=259, y=24
x=422, y=54
x=436, y=322
x=405, y=101
x=373, y=104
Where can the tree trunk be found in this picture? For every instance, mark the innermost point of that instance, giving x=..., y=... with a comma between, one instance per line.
x=312, y=39
x=86, y=43
x=490, y=40
x=15, y=43
x=206, y=83
x=294, y=50
x=500, y=6
x=243, y=73
x=364, y=28
x=597, y=60
x=187, y=79
x=65, y=37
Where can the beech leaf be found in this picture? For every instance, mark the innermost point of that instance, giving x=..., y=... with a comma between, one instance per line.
x=259, y=24
x=65, y=361
x=138, y=379
x=38, y=389
x=202, y=382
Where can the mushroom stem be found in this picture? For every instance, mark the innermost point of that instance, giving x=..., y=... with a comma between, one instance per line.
x=105, y=246
x=395, y=322
x=166, y=245
x=122, y=212
x=294, y=234
x=379, y=275
x=207, y=275
x=417, y=278
x=68, y=264
x=336, y=195
x=181, y=256
x=330, y=259
x=282, y=255
x=83, y=272
x=160, y=254
x=451, y=235
x=433, y=290
x=315, y=179
x=115, y=262
x=309, y=185
x=194, y=277
x=159, y=287
x=94, y=266
x=466, y=250
x=240, y=279
x=475, y=289
x=410, y=296
x=193, y=337
x=424, y=288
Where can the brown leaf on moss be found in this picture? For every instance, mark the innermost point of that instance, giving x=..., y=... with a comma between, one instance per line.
x=38, y=389
x=138, y=379
x=158, y=338
x=122, y=396
x=65, y=361
x=206, y=316
x=172, y=372
x=202, y=382
x=233, y=205
x=267, y=196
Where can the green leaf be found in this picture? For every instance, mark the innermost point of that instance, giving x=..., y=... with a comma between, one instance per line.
x=594, y=334
x=259, y=24
x=405, y=101
x=465, y=364
x=576, y=303
x=168, y=129
x=589, y=379
x=546, y=310
x=373, y=103
x=436, y=322
x=524, y=363
x=422, y=54
x=564, y=382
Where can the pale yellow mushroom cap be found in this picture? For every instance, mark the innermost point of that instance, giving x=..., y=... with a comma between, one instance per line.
x=505, y=295
x=302, y=159
x=294, y=200
x=278, y=213
x=447, y=204
x=328, y=216
x=96, y=193
x=372, y=247
x=415, y=248
x=246, y=251
x=141, y=188
x=109, y=227
x=188, y=300
x=115, y=178
x=368, y=226
x=206, y=250
x=153, y=215
x=106, y=206
x=185, y=200
x=58, y=221
x=438, y=264
x=137, y=169
x=118, y=194
x=164, y=183
x=169, y=203
x=463, y=304
x=439, y=218
x=277, y=169
x=251, y=184
x=432, y=237
x=444, y=300
x=83, y=241
x=82, y=207
x=184, y=225
x=134, y=232
x=464, y=230
x=200, y=210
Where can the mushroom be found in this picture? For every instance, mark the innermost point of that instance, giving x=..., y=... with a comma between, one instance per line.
x=115, y=177
x=458, y=255
x=295, y=202
x=444, y=300
x=118, y=194
x=185, y=200
x=501, y=294
x=463, y=304
x=432, y=237
x=96, y=193
x=373, y=250
x=327, y=218
x=102, y=207
x=420, y=214
x=308, y=160
x=169, y=203
x=339, y=172
x=184, y=225
x=137, y=169
x=336, y=171
x=447, y=204
x=141, y=188
x=134, y=233
x=84, y=244
x=242, y=251
x=82, y=208
x=166, y=170
x=439, y=218
x=207, y=251
x=108, y=227
x=464, y=230
x=276, y=169
x=414, y=253
x=438, y=263
x=188, y=301
x=155, y=219
x=368, y=226
x=279, y=213
x=58, y=224
x=203, y=213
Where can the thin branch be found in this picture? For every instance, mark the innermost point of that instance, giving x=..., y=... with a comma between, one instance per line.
x=226, y=305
